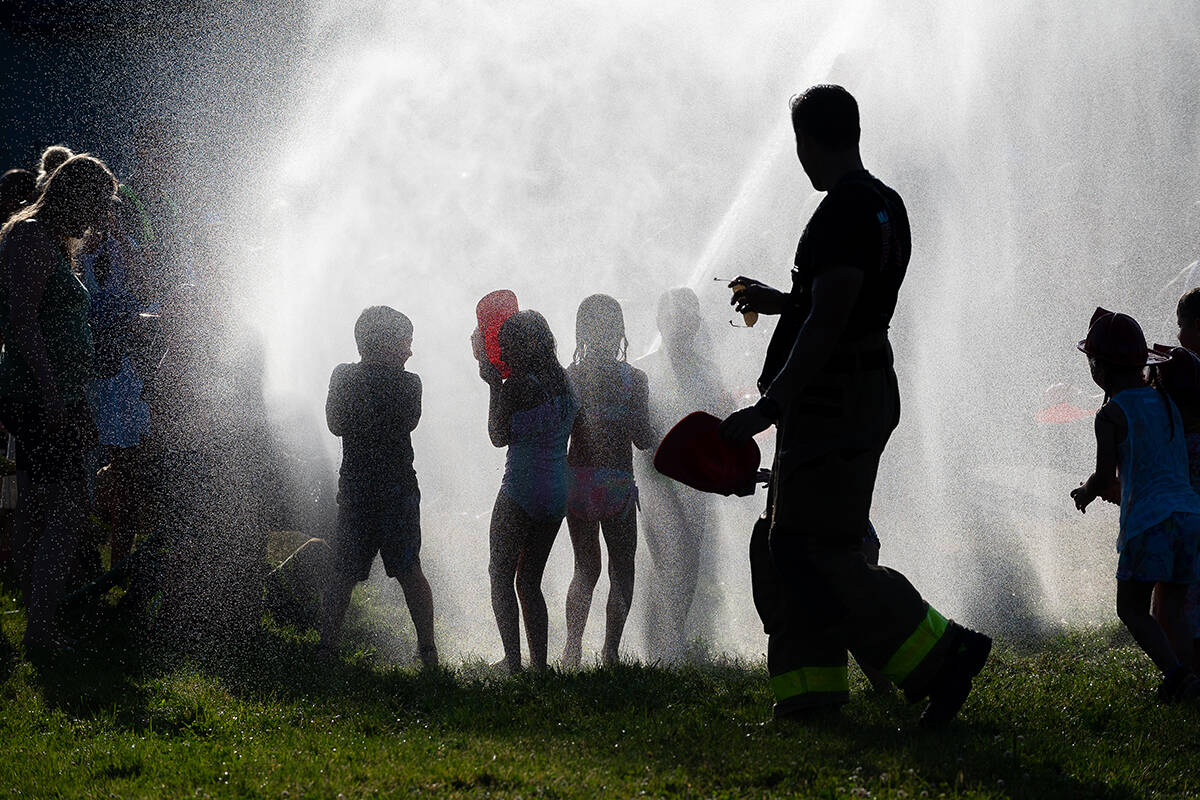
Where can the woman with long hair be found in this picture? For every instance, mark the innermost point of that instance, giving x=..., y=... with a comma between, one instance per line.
x=603, y=496
x=531, y=413
x=45, y=370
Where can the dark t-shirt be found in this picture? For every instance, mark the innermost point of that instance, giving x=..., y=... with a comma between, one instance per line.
x=374, y=408
x=861, y=223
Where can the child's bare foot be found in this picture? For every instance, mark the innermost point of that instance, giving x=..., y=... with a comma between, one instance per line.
x=572, y=655
x=428, y=656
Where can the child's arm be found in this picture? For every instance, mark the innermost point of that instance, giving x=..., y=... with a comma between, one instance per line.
x=499, y=407
x=641, y=431
x=336, y=403
x=408, y=411
x=1110, y=425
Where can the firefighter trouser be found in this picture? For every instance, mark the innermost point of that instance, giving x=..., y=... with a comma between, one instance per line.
x=819, y=598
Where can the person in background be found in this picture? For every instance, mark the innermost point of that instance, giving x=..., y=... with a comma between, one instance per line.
x=1140, y=435
x=531, y=413
x=1187, y=399
x=676, y=519
x=52, y=158
x=45, y=371
x=374, y=406
x=17, y=189
x=113, y=269
x=602, y=495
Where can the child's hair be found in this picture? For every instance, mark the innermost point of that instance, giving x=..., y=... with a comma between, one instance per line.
x=1179, y=378
x=73, y=190
x=378, y=327
x=1188, y=309
x=52, y=158
x=599, y=328
x=526, y=339
x=527, y=345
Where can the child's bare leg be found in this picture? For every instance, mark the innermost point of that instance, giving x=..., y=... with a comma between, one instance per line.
x=1133, y=607
x=530, y=568
x=420, y=605
x=688, y=554
x=585, y=541
x=1171, y=598
x=620, y=536
x=506, y=538
x=1162, y=614
x=334, y=603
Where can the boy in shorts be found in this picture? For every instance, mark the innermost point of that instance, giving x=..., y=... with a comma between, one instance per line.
x=374, y=405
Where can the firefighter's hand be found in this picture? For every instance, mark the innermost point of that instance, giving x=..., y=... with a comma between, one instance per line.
x=1082, y=497
x=755, y=296
x=743, y=425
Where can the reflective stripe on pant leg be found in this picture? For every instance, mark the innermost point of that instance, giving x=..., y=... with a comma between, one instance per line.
x=910, y=654
x=811, y=680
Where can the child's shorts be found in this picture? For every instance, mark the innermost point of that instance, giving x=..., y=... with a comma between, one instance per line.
x=1167, y=552
x=394, y=533
x=599, y=493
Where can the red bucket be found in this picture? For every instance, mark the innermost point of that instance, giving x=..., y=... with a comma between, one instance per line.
x=492, y=312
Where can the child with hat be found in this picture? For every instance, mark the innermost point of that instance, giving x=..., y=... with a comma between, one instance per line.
x=1140, y=435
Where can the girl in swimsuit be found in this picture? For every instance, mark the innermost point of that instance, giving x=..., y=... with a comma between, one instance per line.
x=602, y=494
x=530, y=413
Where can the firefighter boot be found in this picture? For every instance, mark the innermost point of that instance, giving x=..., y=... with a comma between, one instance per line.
x=952, y=683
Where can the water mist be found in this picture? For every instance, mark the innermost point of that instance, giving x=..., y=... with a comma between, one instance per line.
x=432, y=152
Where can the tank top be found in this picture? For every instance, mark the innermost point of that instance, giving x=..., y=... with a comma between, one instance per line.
x=1152, y=462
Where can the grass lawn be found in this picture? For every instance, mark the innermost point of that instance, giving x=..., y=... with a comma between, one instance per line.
x=1073, y=716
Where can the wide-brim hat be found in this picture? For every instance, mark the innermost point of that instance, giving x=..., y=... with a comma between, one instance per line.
x=694, y=454
x=1118, y=339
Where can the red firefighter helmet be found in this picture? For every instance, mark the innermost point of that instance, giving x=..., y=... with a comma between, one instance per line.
x=694, y=453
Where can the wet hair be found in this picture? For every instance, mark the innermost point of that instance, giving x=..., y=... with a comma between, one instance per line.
x=52, y=158
x=1188, y=309
x=827, y=113
x=378, y=326
x=17, y=187
x=527, y=345
x=76, y=188
x=599, y=327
